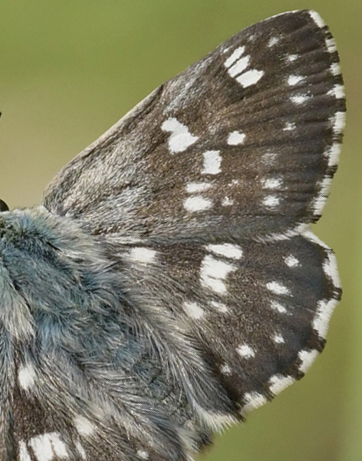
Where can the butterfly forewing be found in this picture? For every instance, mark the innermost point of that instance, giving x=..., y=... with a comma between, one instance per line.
x=190, y=288
x=244, y=142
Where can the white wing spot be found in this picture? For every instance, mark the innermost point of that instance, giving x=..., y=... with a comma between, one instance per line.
x=278, y=288
x=235, y=56
x=290, y=126
x=299, y=99
x=212, y=162
x=321, y=199
x=291, y=261
x=331, y=45
x=225, y=370
x=84, y=427
x=227, y=202
x=333, y=154
x=278, y=307
x=142, y=255
x=26, y=376
x=45, y=446
x=197, y=203
x=278, y=383
x=273, y=41
x=295, y=79
x=335, y=69
x=235, y=138
x=271, y=201
x=245, y=351
x=251, y=77
x=317, y=19
x=278, y=339
x=323, y=315
x=271, y=183
x=292, y=57
x=228, y=250
x=23, y=452
x=307, y=358
x=80, y=449
x=213, y=272
x=239, y=66
x=193, y=310
x=253, y=401
x=180, y=138
x=42, y=447
x=220, y=307
x=193, y=187
x=337, y=91
x=143, y=454
x=338, y=121
x=59, y=446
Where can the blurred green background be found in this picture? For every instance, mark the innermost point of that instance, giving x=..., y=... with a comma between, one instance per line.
x=70, y=69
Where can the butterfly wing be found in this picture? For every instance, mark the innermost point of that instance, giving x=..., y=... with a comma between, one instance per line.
x=259, y=309
x=54, y=418
x=245, y=142
x=200, y=198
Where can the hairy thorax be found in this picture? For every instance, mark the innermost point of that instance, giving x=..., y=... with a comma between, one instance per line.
x=49, y=269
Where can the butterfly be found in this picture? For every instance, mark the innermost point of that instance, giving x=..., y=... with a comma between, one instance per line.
x=169, y=283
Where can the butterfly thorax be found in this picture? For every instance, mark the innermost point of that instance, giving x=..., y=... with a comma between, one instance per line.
x=45, y=259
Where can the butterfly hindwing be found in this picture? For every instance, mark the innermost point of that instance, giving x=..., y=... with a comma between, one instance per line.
x=260, y=309
x=243, y=142
x=66, y=410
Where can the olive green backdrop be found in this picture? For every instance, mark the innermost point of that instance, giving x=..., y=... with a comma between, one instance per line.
x=70, y=69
